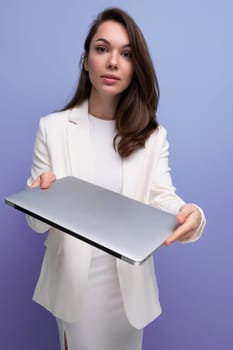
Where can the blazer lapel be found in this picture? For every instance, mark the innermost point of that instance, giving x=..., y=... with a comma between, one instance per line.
x=78, y=141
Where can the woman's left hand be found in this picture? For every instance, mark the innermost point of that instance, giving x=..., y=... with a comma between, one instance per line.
x=189, y=218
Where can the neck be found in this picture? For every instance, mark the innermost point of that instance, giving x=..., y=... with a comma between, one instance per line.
x=102, y=107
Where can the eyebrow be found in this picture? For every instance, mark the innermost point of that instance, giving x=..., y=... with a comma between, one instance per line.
x=108, y=42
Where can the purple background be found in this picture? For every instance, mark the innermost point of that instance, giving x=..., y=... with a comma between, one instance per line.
x=191, y=45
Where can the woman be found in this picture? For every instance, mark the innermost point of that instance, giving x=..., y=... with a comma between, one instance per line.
x=108, y=135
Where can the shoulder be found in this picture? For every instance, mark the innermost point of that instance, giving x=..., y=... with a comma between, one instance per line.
x=159, y=136
x=55, y=118
x=162, y=132
x=73, y=115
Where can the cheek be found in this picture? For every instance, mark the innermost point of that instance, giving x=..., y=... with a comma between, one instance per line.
x=92, y=70
x=129, y=70
x=93, y=64
x=130, y=74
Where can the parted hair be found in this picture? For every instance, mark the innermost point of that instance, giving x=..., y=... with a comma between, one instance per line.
x=135, y=113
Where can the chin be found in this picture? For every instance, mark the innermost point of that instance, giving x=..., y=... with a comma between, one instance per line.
x=108, y=93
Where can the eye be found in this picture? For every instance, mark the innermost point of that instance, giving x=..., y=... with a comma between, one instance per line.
x=101, y=49
x=127, y=54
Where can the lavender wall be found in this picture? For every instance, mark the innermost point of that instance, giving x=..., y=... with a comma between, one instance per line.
x=191, y=44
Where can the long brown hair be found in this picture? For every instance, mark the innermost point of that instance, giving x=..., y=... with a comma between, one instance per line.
x=136, y=111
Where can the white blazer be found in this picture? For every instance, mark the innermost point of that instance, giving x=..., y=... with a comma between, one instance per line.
x=61, y=146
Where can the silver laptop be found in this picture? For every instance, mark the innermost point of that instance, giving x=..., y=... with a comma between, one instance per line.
x=123, y=227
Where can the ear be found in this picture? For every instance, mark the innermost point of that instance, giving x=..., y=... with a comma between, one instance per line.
x=85, y=64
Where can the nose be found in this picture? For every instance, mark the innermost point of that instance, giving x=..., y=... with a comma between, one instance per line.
x=112, y=62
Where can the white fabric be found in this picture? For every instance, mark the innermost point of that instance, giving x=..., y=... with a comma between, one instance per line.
x=105, y=164
x=102, y=322
x=102, y=314
x=62, y=146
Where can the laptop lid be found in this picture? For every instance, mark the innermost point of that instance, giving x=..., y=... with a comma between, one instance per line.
x=123, y=227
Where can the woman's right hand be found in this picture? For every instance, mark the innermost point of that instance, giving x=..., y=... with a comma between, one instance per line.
x=44, y=180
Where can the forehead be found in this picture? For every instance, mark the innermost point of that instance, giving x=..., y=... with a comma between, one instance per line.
x=112, y=31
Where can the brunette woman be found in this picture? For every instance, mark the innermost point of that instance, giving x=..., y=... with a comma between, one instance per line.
x=107, y=134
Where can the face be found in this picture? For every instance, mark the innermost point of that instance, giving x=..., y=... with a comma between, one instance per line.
x=109, y=62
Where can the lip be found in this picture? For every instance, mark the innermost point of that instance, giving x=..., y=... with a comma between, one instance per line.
x=110, y=77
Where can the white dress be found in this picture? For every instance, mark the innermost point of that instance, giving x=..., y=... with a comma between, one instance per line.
x=102, y=324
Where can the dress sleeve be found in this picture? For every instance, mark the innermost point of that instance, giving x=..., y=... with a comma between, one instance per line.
x=40, y=164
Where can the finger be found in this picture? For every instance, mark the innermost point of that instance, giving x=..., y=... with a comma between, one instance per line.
x=36, y=182
x=184, y=213
x=181, y=217
x=189, y=218
x=179, y=233
x=46, y=180
x=186, y=237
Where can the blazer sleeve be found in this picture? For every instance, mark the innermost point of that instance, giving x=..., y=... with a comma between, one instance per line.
x=163, y=193
x=40, y=164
